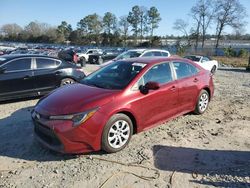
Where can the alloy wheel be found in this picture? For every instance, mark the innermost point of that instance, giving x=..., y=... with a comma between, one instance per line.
x=203, y=102
x=119, y=134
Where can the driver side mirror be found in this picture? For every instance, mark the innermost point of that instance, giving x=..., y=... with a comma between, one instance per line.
x=149, y=86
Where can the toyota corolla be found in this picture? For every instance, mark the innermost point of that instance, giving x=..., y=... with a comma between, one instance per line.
x=119, y=100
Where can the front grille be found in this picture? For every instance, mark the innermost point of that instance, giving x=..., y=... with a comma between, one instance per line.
x=46, y=134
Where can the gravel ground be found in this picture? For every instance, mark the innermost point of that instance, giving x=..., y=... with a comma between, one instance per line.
x=191, y=151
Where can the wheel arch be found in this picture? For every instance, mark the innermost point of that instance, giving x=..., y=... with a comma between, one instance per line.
x=208, y=90
x=132, y=117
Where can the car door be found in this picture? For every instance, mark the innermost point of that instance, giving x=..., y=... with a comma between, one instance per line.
x=17, y=78
x=187, y=80
x=46, y=73
x=158, y=105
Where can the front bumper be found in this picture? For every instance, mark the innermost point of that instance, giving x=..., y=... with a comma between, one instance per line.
x=61, y=136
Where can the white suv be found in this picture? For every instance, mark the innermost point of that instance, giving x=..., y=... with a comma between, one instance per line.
x=85, y=55
x=140, y=53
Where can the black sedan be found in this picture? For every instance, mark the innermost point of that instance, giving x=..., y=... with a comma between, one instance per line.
x=34, y=75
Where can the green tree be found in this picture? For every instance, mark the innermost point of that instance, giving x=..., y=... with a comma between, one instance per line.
x=134, y=20
x=109, y=23
x=64, y=30
x=91, y=26
x=153, y=19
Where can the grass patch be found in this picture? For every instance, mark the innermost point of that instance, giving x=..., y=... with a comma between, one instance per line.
x=233, y=61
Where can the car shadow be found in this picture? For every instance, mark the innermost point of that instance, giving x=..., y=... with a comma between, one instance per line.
x=204, y=162
x=240, y=70
x=17, y=139
x=19, y=100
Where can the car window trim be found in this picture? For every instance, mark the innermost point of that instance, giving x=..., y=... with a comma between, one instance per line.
x=18, y=59
x=35, y=64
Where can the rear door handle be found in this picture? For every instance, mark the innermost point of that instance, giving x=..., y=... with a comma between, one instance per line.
x=173, y=88
x=26, y=77
x=196, y=80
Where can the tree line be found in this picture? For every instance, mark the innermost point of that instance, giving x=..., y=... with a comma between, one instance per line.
x=139, y=24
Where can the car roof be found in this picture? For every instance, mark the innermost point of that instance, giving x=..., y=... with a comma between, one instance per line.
x=5, y=58
x=155, y=60
x=147, y=50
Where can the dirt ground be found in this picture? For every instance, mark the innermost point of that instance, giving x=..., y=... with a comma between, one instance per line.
x=191, y=151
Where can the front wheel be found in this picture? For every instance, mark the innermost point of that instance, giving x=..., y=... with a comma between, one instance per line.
x=117, y=133
x=202, y=102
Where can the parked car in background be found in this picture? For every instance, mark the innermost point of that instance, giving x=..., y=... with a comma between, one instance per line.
x=140, y=53
x=118, y=100
x=85, y=55
x=205, y=62
x=104, y=57
x=34, y=75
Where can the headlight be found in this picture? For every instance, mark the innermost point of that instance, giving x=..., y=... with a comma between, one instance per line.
x=78, y=118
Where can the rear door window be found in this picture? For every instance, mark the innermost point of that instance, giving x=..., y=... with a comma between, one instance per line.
x=148, y=54
x=184, y=70
x=44, y=63
x=18, y=65
x=156, y=53
x=165, y=54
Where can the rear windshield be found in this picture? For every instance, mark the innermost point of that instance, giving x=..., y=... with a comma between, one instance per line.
x=193, y=58
x=129, y=54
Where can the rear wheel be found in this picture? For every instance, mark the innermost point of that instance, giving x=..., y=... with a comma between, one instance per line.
x=67, y=81
x=117, y=133
x=202, y=102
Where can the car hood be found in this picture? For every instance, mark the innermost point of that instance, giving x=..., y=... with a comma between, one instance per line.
x=74, y=98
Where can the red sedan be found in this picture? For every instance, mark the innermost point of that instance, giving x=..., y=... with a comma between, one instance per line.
x=118, y=100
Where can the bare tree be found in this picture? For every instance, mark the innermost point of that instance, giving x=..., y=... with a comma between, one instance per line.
x=229, y=13
x=202, y=12
x=197, y=18
x=11, y=31
x=181, y=26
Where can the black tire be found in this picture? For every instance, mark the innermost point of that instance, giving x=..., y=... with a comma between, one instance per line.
x=108, y=134
x=201, y=101
x=213, y=69
x=67, y=81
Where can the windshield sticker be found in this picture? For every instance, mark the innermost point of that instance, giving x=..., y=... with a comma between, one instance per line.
x=139, y=64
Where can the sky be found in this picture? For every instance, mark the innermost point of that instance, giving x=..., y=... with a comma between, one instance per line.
x=53, y=12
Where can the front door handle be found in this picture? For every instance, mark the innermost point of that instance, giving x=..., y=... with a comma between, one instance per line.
x=58, y=72
x=196, y=80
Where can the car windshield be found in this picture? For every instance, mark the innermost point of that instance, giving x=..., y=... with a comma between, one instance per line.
x=128, y=54
x=114, y=76
x=193, y=58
